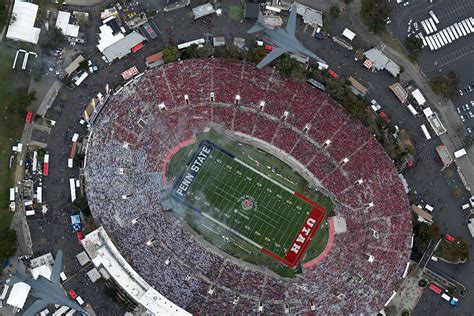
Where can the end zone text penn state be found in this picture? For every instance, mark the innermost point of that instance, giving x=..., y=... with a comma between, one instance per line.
x=191, y=172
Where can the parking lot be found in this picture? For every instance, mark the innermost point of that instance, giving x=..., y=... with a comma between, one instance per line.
x=456, y=55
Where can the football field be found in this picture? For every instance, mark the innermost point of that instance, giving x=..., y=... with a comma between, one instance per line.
x=248, y=203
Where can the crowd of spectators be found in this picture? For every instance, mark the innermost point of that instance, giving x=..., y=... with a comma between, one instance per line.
x=139, y=127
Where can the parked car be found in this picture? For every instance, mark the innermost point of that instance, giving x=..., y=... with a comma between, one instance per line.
x=80, y=236
x=72, y=294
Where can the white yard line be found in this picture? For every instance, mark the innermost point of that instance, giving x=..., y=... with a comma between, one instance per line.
x=264, y=175
x=233, y=231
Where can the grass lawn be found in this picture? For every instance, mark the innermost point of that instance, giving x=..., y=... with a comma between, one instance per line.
x=236, y=12
x=12, y=116
x=249, y=200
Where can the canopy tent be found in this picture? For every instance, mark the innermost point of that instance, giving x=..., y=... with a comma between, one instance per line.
x=22, y=27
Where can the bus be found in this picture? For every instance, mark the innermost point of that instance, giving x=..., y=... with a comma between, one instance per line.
x=470, y=24
x=453, y=30
x=427, y=136
x=423, y=25
x=420, y=36
x=428, y=25
x=430, y=42
x=446, y=34
x=433, y=25
x=460, y=29
x=466, y=27
x=450, y=32
x=438, y=43
x=433, y=15
x=187, y=44
x=443, y=38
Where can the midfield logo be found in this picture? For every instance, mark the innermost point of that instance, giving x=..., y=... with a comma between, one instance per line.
x=247, y=202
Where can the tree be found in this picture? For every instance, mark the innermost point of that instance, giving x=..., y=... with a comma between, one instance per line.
x=334, y=12
x=414, y=43
x=7, y=243
x=81, y=204
x=446, y=86
x=170, y=54
x=190, y=52
x=374, y=13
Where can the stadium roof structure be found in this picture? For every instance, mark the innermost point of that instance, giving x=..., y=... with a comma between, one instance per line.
x=63, y=24
x=123, y=47
x=106, y=256
x=381, y=62
x=23, y=27
x=140, y=129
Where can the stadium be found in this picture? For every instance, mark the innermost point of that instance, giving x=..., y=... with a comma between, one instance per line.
x=233, y=189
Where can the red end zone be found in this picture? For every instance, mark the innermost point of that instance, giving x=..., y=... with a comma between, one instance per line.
x=306, y=233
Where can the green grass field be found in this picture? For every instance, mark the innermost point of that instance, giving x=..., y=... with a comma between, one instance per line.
x=247, y=204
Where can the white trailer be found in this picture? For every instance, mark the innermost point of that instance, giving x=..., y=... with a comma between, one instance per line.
x=433, y=25
x=435, y=42
x=425, y=28
x=466, y=27
x=453, y=30
x=433, y=15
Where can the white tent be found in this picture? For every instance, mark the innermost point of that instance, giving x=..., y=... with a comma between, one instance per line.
x=22, y=28
x=418, y=97
x=62, y=23
x=18, y=295
x=348, y=34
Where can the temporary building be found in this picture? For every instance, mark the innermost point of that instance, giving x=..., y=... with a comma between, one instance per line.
x=22, y=28
x=18, y=295
x=348, y=34
x=62, y=23
x=420, y=99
